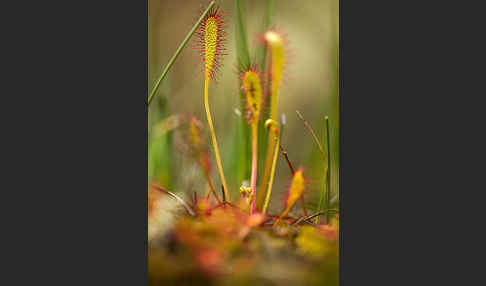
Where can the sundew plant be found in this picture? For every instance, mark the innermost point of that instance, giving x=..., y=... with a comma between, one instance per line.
x=243, y=143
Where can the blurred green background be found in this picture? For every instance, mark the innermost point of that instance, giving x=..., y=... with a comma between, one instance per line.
x=310, y=85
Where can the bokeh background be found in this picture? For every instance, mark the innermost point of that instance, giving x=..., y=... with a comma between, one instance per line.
x=310, y=85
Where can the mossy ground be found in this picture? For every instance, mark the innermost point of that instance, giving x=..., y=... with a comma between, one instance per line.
x=225, y=246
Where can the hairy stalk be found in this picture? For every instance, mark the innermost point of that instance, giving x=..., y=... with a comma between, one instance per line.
x=254, y=100
x=211, y=48
x=269, y=124
x=277, y=59
x=268, y=163
x=179, y=50
x=254, y=164
x=261, y=59
x=213, y=135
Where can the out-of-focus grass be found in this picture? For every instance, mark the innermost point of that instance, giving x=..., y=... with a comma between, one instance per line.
x=160, y=147
x=242, y=140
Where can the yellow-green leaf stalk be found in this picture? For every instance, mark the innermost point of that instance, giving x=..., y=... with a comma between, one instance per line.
x=295, y=192
x=275, y=43
x=254, y=99
x=211, y=39
x=275, y=129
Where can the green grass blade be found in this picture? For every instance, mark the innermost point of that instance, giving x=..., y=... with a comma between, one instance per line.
x=325, y=194
x=243, y=56
x=261, y=52
x=176, y=54
x=159, y=148
x=328, y=177
x=243, y=60
x=269, y=13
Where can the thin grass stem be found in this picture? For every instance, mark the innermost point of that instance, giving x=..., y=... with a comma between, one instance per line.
x=307, y=125
x=328, y=183
x=326, y=186
x=179, y=50
x=181, y=201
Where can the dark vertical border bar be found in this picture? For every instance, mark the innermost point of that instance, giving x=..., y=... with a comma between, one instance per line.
x=83, y=183
x=145, y=129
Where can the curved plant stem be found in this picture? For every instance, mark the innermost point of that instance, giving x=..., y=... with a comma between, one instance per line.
x=306, y=218
x=261, y=55
x=181, y=201
x=272, y=173
x=291, y=167
x=313, y=135
x=277, y=59
x=179, y=50
x=254, y=164
x=213, y=135
x=326, y=168
x=268, y=159
x=271, y=140
x=266, y=170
